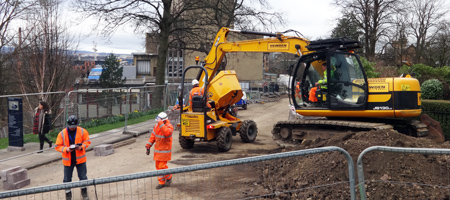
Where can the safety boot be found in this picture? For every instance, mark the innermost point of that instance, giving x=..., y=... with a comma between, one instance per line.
x=159, y=186
x=68, y=195
x=168, y=182
x=84, y=194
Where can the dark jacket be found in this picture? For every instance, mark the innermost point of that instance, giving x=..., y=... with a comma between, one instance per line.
x=46, y=124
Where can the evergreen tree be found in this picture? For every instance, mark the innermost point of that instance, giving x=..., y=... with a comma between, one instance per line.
x=112, y=73
x=346, y=27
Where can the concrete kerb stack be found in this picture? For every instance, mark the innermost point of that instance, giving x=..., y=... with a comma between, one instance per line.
x=15, y=178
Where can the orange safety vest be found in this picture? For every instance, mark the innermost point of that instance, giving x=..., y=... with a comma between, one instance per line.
x=162, y=139
x=197, y=91
x=62, y=143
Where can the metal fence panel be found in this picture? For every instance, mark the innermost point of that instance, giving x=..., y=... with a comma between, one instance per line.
x=230, y=179
x=30, y=102
x=412, y=180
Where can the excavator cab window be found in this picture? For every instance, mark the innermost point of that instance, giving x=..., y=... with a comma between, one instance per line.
x=347, y=85
x=308, y=74
x=342, y=85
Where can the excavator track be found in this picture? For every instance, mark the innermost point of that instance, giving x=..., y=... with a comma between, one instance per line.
x=296, y=131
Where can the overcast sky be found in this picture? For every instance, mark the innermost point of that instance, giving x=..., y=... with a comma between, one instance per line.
x=313, y=18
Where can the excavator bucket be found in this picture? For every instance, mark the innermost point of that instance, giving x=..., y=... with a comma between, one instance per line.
x=434, y=128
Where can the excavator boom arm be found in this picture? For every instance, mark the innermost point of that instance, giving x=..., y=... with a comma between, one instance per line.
x=276, y=43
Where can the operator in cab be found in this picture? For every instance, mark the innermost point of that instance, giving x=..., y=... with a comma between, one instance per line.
x=196, y=91
x=323, y=83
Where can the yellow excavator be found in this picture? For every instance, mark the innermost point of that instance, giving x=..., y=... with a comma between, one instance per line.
x=344, y=100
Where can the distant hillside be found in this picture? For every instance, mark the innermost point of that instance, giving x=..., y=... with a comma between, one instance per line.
x=99, y=53
x=11, y=49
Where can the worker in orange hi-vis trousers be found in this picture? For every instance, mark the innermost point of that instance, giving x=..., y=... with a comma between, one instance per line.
x=297, y=91
x=161, y=138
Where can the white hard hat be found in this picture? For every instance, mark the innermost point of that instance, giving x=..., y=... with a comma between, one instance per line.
x=162, y=116
x=194, y=82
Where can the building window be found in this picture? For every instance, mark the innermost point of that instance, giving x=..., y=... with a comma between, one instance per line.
x=175, y=63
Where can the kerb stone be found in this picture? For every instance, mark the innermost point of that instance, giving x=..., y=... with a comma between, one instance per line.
x=103, y=150
x=15, y=178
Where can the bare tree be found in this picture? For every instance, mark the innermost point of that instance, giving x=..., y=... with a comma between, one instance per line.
x=44, y=61
x=396, y=47
x=10, y=12
x=176, y=22
x=373, y=17
x=424, y=15
x=224, y=13
x=437, y=51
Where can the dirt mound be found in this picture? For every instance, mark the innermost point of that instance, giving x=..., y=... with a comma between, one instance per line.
x=388, y=175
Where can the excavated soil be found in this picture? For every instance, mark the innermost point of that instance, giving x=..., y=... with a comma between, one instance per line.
x=388, y=175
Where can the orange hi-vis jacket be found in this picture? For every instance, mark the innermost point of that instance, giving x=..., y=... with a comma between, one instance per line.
x=197, y=91
x=62, y=143
x=161, y=138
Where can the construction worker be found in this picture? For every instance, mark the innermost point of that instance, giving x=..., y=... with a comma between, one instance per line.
x=323, y=83
x=161, y=138
x=297, y=90
x=72, y=142
x=196, y=91
x=177, y=105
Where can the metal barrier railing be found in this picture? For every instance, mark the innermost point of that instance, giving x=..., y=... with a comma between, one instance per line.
x=361, y=180
x=148, y=99
x=257, y=159
x=30, y=101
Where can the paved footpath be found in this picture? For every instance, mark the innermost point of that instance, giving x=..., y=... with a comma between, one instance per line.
x=29, y=158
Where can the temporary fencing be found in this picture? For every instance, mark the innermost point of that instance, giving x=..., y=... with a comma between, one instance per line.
x=29, y=103
x=255, y=89
x=244, y=178
x=108, y=105
x=388, y=174
x=396, y=174
x=90, y=104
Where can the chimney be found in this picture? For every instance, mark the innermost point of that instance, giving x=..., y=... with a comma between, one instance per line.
x=20, y=37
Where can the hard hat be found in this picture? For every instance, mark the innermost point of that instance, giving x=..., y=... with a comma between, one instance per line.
x=161, y=116
x=72, y=121
x=194, y=82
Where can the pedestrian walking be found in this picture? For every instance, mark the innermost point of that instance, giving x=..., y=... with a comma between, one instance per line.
x=161, y=138
x=42, y=124
x=72, y=142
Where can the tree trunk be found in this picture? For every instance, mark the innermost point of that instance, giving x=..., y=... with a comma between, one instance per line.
x=162, y=54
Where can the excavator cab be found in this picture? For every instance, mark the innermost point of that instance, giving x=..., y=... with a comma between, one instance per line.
x=332, y=78
x=342, y=85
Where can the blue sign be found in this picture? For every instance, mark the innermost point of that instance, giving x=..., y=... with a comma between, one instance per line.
x=15, y=122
